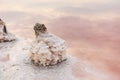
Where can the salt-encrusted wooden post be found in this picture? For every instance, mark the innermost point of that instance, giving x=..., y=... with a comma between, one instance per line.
x=47, y=49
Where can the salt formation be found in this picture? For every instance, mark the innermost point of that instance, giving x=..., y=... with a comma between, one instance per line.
x=47, y=49
x=4, y=35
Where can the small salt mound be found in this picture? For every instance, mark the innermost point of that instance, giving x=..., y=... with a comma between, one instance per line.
x=4, y=35
x=47, y=49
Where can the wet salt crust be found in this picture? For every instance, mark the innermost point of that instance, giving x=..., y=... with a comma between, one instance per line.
x=19, y=67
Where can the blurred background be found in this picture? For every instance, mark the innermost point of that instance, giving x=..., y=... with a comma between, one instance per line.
x=90, y=27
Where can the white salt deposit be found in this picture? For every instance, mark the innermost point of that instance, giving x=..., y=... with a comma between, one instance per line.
x=47, y=49
x=19, y=67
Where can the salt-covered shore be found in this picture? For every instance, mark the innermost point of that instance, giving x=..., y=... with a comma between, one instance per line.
x=19, y=65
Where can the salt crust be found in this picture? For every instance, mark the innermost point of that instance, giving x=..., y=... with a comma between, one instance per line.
x=19, y=67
